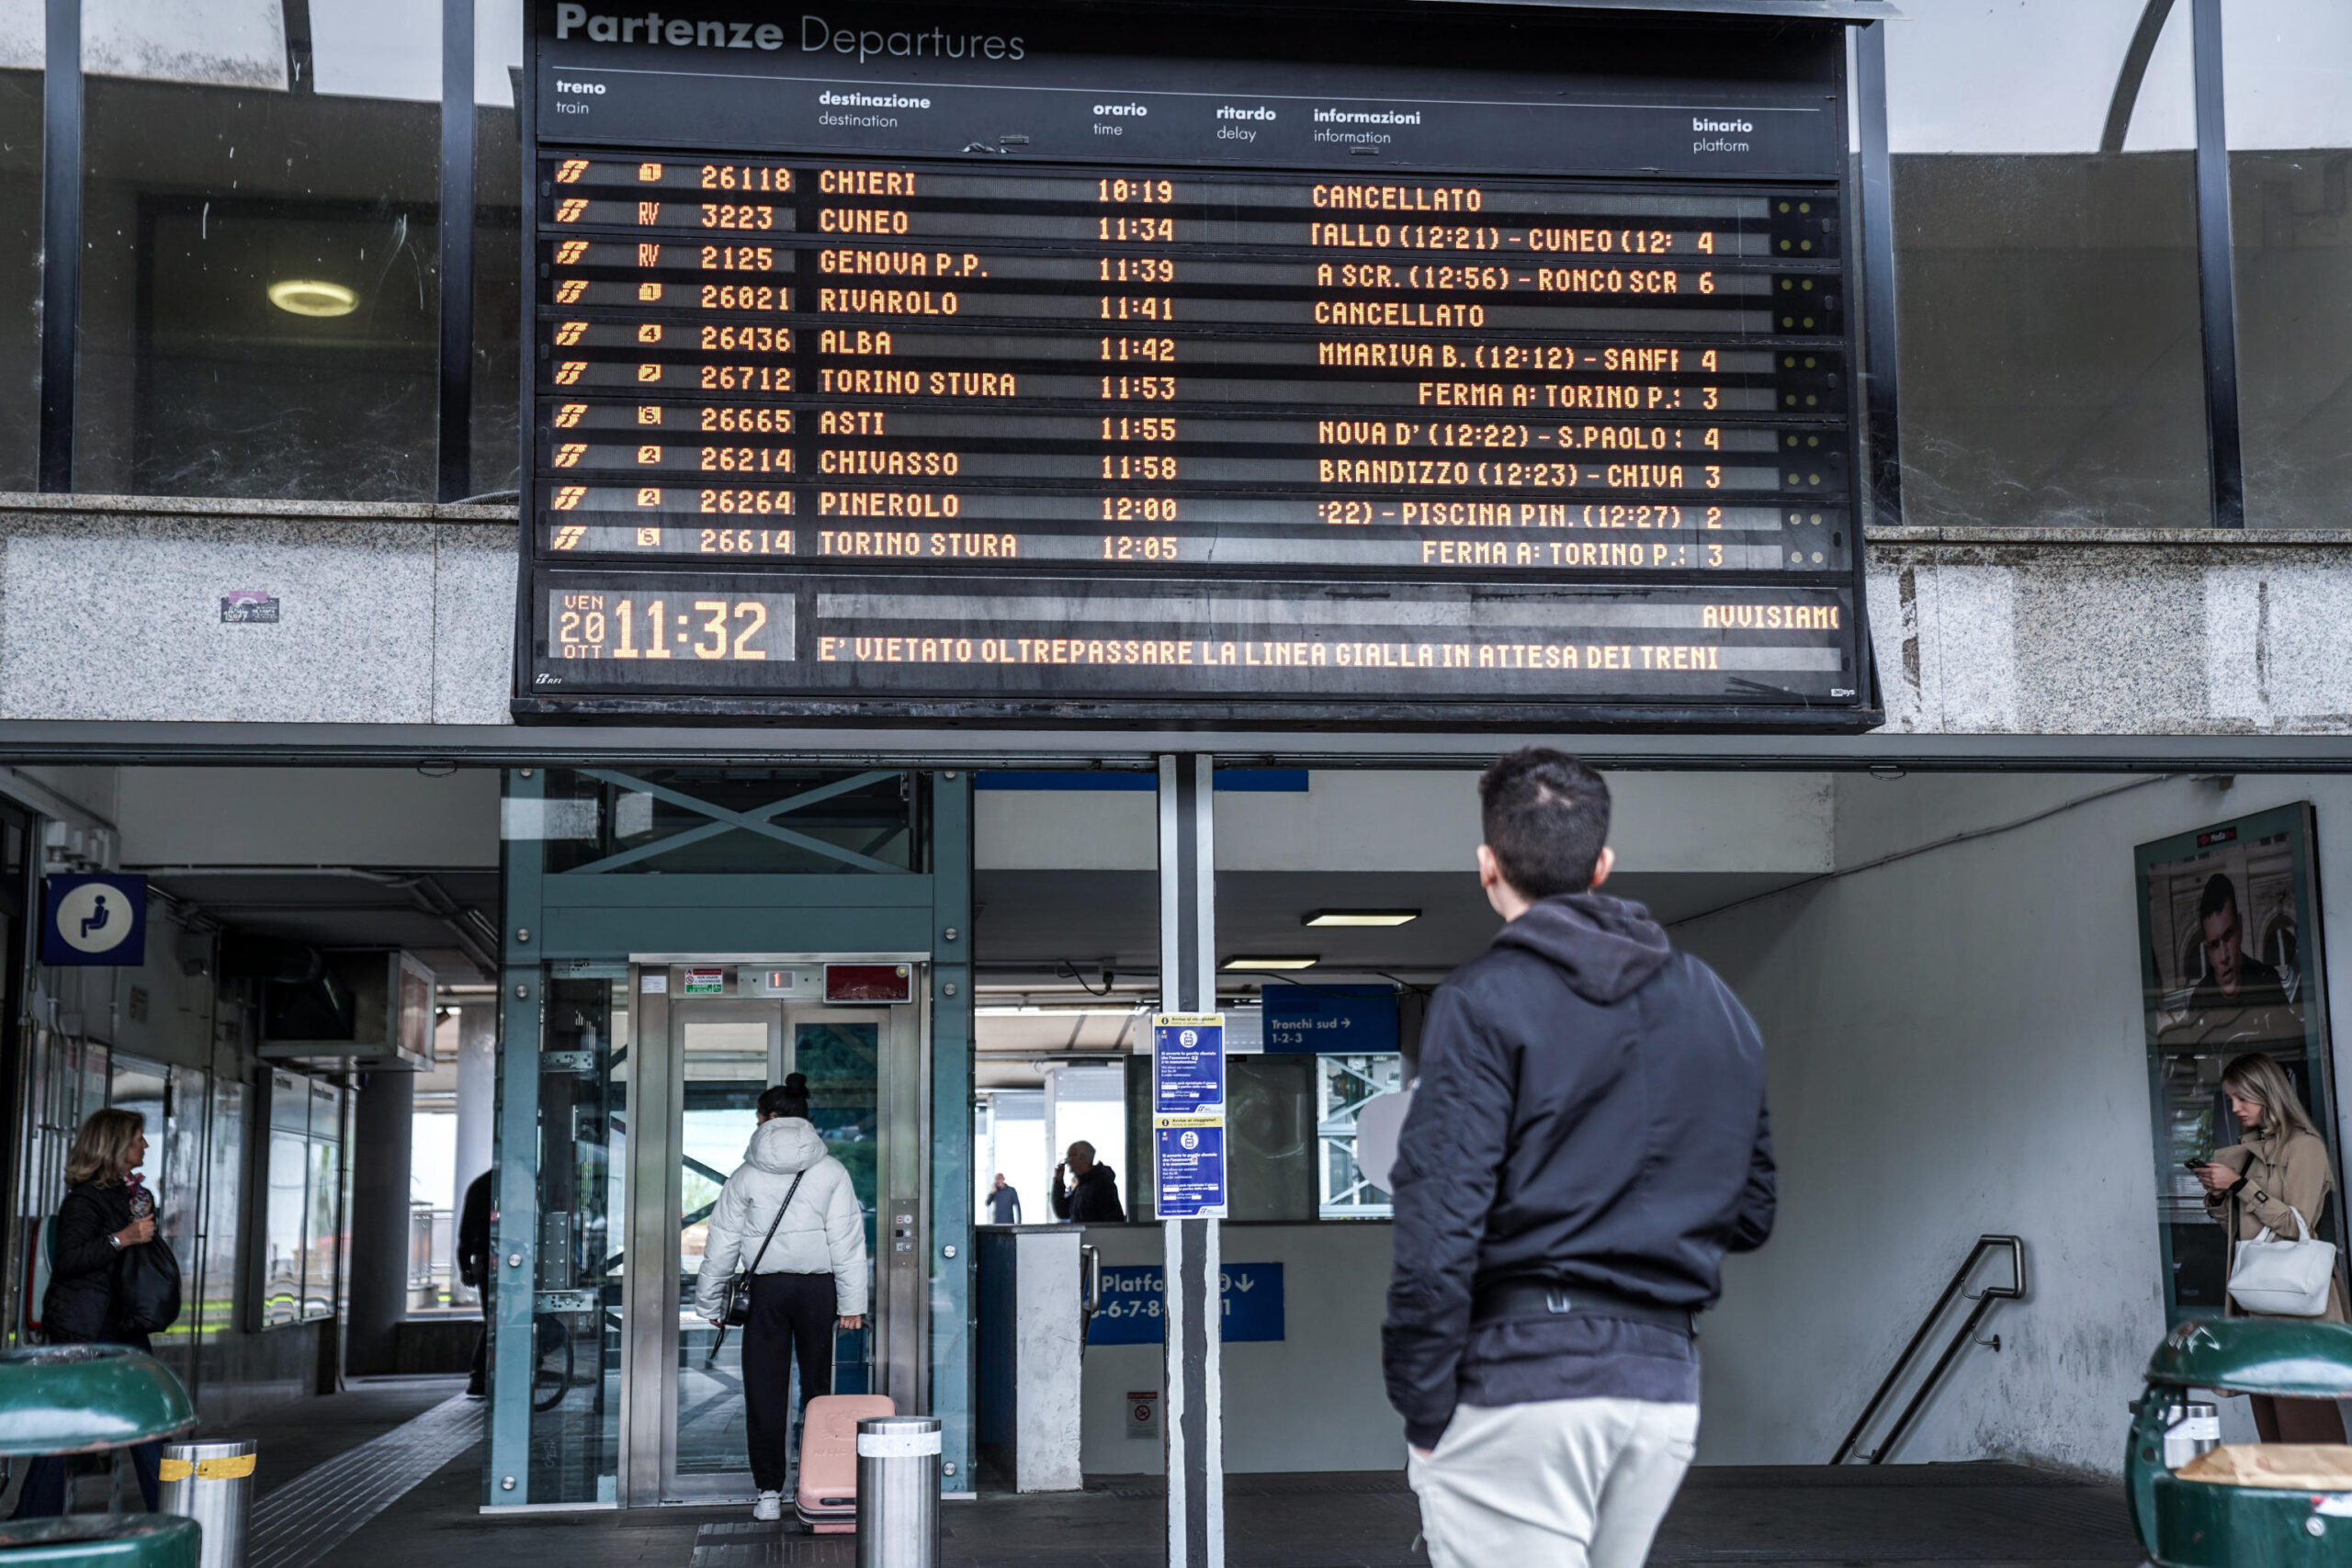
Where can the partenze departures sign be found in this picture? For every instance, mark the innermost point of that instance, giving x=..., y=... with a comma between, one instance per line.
x=1115, y=363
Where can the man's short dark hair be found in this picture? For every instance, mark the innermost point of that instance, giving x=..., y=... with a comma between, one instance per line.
x=1546, y=817
x=2220, y=894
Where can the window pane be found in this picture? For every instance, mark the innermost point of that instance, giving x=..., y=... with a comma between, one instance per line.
x=2287, y=65
x=20, y=100
x=2050, y=360
x=224, y=1209
x=498, y=246
x=320, y=1235
x=288, y=1183
x=259, y=294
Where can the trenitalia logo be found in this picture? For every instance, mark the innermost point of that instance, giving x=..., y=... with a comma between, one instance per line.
x=817, y=35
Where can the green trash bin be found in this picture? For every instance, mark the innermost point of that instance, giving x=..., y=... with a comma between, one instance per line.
x=80, y=1399
x=2204, y=1524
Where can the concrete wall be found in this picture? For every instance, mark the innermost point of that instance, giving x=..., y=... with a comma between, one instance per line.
x=293, y=816
x=388, y=615
x=110, y=606
x=1956, y=1047
x=1413, y=821
x=2111, y=631
x=1312, y=1401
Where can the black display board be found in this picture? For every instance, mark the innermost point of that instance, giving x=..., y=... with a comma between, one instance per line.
x=1441, y=366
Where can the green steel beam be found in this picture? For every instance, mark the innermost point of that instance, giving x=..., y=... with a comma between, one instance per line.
x=949, y=940
x=514, y=1263
x=725, y=821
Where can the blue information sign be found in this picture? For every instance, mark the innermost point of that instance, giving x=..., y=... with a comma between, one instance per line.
x=1251, y=1294
x=1330, y=1020
x=1191, y=1172
x=1187, y=1065
x=91, y=920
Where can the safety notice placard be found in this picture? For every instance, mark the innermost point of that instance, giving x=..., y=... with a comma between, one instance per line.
x=1188, y=1114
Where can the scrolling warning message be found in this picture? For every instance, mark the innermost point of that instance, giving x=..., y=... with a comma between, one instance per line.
x=1056, y=382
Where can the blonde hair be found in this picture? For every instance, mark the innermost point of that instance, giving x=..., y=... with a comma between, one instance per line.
x=2257, y=1078
x=102, y=1148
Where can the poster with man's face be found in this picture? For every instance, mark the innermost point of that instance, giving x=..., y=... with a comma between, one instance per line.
x=2230, y=965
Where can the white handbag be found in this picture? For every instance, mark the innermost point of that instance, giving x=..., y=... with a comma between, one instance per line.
x=2284, y=1279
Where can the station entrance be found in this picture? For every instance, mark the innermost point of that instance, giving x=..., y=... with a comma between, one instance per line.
x=675, y=944
x=709, y=1042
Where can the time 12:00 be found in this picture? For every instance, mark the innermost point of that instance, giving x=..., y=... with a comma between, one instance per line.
x=711, y=628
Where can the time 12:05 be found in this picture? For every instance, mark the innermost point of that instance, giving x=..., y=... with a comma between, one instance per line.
x=600, y=625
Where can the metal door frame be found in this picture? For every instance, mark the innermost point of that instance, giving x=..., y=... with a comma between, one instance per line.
x=652, y=1191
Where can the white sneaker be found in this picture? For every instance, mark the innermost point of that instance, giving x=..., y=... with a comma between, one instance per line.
x=769, y=1506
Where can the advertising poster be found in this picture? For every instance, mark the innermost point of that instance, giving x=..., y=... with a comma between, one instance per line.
x=2230, y=964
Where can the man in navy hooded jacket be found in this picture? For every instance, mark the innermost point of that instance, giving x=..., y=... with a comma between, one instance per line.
x=1587, y=1138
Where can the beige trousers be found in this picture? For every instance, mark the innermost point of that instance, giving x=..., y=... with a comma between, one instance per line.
x=1564, y=1483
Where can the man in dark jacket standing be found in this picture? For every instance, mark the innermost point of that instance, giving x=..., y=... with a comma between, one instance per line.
x=1091, y=1196
x=473, y=1268
x=1587, y=1138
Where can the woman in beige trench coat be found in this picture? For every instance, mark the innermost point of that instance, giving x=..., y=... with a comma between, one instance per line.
x=2280, y=1165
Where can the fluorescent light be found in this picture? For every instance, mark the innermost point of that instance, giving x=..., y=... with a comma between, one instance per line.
x=1272, y=962
x=1361, y=918
x=311, y=297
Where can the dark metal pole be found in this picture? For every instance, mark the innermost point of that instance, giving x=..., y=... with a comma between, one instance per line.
x=60, y=239
x=1188, y=984
x=2217, y=275
x=457, y=422
x=1877, y=269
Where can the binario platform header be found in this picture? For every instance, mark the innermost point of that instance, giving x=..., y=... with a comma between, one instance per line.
x=1525, y=91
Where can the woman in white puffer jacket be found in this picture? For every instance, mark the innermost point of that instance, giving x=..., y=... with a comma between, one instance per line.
x=812, y=1275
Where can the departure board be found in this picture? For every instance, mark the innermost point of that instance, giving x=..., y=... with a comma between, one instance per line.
x=1112, y=364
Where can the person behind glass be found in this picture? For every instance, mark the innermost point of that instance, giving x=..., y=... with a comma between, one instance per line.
x=2280, y=1165
x=104, y=1213
x=808, y=1275
x=1091, y=1194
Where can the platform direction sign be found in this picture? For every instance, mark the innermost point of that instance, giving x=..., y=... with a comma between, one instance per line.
x=1188, y=1114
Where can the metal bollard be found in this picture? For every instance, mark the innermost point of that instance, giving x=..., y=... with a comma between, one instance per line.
x=898, y=1491
x=212, y=1483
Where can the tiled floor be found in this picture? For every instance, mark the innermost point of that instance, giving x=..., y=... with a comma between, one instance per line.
x=1751, y=1518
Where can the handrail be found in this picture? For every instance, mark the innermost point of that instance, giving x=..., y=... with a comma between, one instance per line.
x=1983, y=1300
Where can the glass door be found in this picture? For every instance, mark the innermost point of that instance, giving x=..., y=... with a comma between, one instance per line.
x=727, y=1043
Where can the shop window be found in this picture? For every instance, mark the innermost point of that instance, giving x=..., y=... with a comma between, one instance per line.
x=302, y=1230
x=259, y=295
x=2051, y=359
x=2287, y=70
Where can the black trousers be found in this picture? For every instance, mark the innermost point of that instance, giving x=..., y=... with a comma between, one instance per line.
x=791, y=1314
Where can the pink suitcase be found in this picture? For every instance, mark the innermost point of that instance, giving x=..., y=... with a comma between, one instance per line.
x=827, y=1502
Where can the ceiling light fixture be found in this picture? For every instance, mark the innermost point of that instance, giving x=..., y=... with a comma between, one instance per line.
x=1246, y=964
x=1361, y=918
x=313, y=297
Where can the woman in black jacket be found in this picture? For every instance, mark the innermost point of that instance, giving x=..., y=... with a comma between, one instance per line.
x=97, y=1222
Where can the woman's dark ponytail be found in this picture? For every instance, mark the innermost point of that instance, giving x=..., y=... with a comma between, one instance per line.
x=789, y=1098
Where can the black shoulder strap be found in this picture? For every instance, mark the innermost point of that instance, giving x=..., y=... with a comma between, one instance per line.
x=788, y=1197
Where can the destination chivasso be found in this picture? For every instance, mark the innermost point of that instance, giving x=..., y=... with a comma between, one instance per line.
x=1200, y=652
